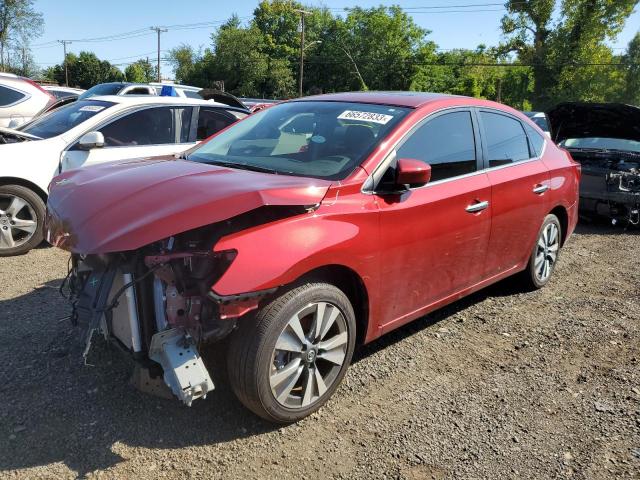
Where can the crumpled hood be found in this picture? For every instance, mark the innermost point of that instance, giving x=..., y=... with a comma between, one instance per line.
x=584, y=120
x=125, y=205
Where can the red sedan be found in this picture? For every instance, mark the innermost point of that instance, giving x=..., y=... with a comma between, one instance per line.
x=306, y=229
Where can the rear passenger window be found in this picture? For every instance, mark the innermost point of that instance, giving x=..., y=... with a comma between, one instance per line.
x=212, y=121
x=535, y=139
x=9, y=96
x=446, y=143
x=505, y=139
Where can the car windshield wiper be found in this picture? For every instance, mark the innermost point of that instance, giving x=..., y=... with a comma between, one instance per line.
x=243, y=166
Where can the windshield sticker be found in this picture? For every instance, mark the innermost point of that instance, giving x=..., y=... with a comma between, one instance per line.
x=380, y=118
x=91, y=108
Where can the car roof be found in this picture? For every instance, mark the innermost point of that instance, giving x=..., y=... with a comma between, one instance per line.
x=152, y=100
x=399, y=99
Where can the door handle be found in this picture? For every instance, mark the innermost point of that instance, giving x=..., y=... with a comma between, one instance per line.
x=540, y=189
x=477, y=207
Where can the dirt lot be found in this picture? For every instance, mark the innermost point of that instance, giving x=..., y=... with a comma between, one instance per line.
x=500, y=385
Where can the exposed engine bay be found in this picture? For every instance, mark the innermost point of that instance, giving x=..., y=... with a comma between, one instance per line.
x=605, y=139
x=610, y=184
x=8, y=135
x=157, y=303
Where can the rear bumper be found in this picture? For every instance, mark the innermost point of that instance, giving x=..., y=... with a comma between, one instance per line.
x=572, y=217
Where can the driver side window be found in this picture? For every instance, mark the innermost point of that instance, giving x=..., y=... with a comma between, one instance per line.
x=151, y=126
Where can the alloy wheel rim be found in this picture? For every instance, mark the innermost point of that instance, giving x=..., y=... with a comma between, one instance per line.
x=546, y=252
x=18, y=221
x=308, y=355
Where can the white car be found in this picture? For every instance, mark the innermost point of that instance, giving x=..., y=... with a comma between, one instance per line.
x=21, y=99
x=63, y=92
x=88, y=132
x=153, y=88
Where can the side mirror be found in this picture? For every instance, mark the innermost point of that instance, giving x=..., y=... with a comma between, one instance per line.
x=414, y=173
x=14, y=123
x=91, y=140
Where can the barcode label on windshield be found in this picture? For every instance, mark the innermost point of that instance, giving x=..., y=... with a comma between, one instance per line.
x=91, y=108
x=380, y=118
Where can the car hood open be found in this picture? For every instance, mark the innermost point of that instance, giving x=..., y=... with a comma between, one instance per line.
x=586, y=120
x=123, y=206
x=10, y=132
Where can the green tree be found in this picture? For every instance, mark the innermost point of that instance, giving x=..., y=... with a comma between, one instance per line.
x=631, y=60
x=141, y=71
x=86, y=70
x=556, y=44
x=238, y=59
x=19, y=24
x=183, y=58
x=382, y=46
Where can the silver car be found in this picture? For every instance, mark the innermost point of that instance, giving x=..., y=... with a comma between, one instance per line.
x=21, y=99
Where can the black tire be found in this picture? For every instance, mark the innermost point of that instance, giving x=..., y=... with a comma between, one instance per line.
x=36, y=204
x=250, y=360
x=529, y=278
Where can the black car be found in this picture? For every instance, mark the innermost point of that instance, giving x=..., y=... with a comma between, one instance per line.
x=605, y=139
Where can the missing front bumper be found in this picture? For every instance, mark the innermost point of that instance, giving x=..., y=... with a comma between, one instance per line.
x=184, y=370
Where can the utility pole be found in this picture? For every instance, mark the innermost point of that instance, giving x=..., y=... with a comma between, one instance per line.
x=301, y=71
x=159, y=30
x=66, y=69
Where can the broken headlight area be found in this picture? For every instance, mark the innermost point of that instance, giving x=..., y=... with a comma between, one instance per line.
x=157, y=304
x=610, y=184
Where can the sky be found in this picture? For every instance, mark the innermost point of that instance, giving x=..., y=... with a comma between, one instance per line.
x=453, y=23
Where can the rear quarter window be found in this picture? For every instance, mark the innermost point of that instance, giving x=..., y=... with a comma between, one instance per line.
x=536, y=140
x=9, y=96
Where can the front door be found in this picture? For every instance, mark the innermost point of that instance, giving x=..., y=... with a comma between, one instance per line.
x=435, y=236
x=144, y=133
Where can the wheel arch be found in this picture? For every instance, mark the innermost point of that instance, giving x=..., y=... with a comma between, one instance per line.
x=24, y=183
x=351, y=284
x=563, y=216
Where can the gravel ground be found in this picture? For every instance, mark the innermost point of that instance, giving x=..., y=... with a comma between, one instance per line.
x=499, y=385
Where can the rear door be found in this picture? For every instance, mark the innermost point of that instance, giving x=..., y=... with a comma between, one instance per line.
x=519, y=184
x=213, y=119
x=436, y=235
x=144, y=133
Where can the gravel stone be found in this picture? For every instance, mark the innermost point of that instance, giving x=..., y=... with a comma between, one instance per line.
x=447, y=396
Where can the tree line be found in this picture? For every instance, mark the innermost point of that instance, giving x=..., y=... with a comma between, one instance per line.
x=551, y=51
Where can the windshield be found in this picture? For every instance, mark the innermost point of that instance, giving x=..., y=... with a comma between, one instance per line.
x=102, y=89
x=602, y=143
x=325, y=140
x=64, y=118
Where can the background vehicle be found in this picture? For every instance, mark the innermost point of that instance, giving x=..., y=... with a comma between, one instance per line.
x=126, y=88
x=88, y=132
x=540, y=119
x=306, y=228
x=20, y=100
x=63, y=92
x=605, y=139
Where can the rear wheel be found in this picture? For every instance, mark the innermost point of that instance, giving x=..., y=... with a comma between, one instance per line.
x=545, y=254
x=286, y=363
x=22, y=214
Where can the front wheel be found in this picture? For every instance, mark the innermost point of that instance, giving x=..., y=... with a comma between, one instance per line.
x=545, y=253
x=21, y=220
x=287, y=362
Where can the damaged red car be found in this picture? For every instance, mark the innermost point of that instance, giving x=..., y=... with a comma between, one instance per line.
x=307, y=229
